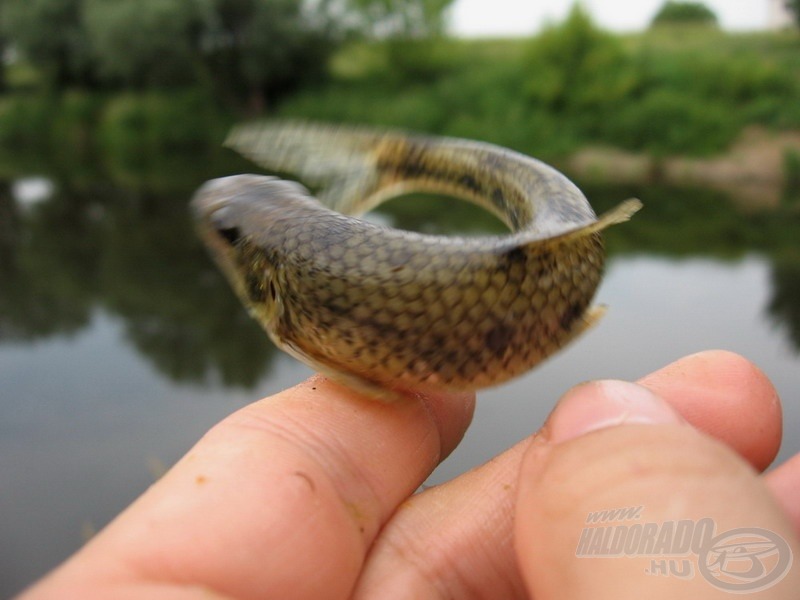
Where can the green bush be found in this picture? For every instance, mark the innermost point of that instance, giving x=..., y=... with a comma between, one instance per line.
x=736, y=79
x=794, y=7
x=774, y=112
x=791, y=162
x=571, y=86
x=76, y=121
x=26, y=120
x=123, y=127
x=684, y=13
x=138, y=126
x=666, y=121
x=410, y=61
x=575, y=66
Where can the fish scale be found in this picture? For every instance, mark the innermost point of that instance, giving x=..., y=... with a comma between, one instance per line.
x=388, y=311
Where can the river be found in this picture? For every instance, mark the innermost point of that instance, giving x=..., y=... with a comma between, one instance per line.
x=120, y=344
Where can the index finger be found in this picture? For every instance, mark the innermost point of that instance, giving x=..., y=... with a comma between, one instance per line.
x=285, y=495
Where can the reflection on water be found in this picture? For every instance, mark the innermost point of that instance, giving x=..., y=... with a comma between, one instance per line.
x=28, y=191
x=120, y=343
x=784, y=307
x=136, y=256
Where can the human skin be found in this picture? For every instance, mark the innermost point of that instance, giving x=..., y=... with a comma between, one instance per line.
x=310, y=494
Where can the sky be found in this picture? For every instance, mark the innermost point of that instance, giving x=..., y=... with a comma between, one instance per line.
x=522, y=17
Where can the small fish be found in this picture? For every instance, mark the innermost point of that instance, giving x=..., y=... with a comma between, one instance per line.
x=386, y=311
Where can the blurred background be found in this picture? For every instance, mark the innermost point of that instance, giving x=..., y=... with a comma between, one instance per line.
x=120, y=344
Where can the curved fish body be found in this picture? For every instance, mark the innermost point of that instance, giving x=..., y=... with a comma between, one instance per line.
x=389, y=311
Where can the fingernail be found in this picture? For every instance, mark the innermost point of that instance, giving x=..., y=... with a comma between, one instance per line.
x=602, y=404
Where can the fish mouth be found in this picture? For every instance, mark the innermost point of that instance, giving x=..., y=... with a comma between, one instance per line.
x=214, y=194
x=213, y=205
x=219, y=223
x=223, y=207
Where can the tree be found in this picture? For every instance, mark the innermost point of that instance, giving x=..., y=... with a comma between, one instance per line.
x=3, y=48
x=143, y=43
x=684, y=13
x=574, y=66
x=260, y=49
x=50, y=34
x=250, y=51
x=400, y=18
x=794, y=7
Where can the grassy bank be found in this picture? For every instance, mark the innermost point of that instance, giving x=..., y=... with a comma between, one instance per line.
x=672, y=91
x=123, y=123
x=678, y=91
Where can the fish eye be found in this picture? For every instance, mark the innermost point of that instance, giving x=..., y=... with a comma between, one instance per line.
x=231, y=234
x=222, y=223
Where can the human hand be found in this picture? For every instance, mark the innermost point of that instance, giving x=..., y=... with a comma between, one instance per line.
x=310, y=494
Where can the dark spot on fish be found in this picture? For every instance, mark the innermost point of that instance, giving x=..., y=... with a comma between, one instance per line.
x=412, y=170
x=255, y=288
x=429, y=355
x=546, y=259
x=451, y=359
x=437, y=341
x=285, y=328
x=469, y=182
x=498, y=338
x=517, y=255
x=335, y=307
x=384, y=332
x=573, y=312
x=498, y=198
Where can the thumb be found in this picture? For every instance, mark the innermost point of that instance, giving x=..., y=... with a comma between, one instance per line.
x=618, y=497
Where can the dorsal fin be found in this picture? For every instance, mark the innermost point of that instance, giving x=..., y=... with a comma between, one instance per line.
x=340, y=161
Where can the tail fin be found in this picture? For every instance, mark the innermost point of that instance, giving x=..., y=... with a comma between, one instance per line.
x=619, y=214
x=338, y=160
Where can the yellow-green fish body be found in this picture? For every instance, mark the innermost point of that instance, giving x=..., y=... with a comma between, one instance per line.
x=386, y=310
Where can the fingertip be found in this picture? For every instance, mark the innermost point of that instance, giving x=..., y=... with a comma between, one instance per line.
x=612, y=448
x=784, y=483
x=599, y=404
x=727, y=396
x=313, y=471
x=450, y=412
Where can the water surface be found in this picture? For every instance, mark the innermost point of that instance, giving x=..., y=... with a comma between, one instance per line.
x=120, y=344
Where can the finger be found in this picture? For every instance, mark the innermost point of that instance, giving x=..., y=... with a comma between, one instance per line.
x=285, y=496
x=645, y=458
x=451, y=541
x=456, y=538
x=784, y=482
x=726, y=396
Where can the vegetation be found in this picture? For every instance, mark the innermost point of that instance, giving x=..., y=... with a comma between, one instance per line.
x=684, y=13
x=243, y=52
x=794, y=7
x=141, y=84
x=661, y=92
